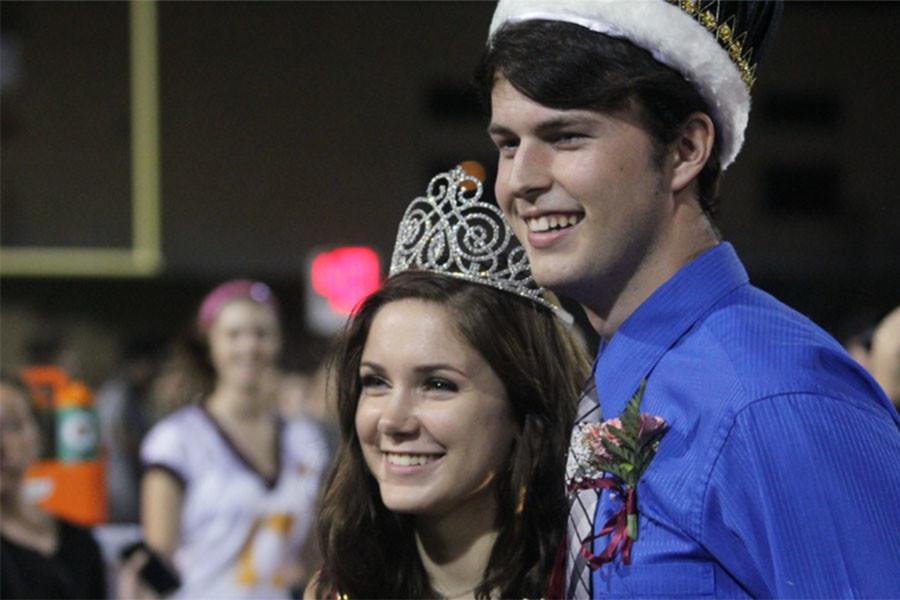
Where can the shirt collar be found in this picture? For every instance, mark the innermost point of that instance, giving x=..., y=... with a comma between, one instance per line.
x=660, y=321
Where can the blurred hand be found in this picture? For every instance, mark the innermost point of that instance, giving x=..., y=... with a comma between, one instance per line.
x=129, y=585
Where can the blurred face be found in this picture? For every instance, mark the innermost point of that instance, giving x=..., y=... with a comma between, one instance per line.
x=885, y=356
x=580, y=188
x=244, y=342
x=433, y=418
x=18, y=439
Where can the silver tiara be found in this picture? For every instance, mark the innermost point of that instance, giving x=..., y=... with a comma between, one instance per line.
x=451, y=232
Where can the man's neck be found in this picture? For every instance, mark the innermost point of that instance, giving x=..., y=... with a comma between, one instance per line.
x=688, y=240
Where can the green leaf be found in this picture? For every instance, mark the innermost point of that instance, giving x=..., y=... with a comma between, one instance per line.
x=632, y=455
x=620, y=475
x=639, y=394
x=626, y=438
x=643, y=463
x=630, y=420
x=640, y=463
x=616, y=451
x=631, y=416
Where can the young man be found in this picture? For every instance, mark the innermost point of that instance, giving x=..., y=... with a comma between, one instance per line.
x=778, y=473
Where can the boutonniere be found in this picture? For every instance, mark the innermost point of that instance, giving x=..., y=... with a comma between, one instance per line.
x=613, y=455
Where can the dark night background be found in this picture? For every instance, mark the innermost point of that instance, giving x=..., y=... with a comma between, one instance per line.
x=291, y=126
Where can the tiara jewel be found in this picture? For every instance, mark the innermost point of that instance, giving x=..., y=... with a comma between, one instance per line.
x=451, y=232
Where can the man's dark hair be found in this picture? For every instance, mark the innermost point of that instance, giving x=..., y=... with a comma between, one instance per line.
x=566, y=66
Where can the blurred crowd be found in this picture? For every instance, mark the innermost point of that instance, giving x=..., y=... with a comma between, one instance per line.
x=76, y=461
x=222, y=383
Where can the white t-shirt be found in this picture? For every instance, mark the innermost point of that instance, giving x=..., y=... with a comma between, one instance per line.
x=239, y=532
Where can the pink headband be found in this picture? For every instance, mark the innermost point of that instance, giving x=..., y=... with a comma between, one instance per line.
x=238, y=289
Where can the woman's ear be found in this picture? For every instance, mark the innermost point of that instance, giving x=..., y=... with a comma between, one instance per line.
x=691, y=149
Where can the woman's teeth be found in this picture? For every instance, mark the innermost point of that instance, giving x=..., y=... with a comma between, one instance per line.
x=547, y=223
x=407, y=460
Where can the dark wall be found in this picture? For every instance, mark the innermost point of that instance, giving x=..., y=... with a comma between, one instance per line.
x=289, y=126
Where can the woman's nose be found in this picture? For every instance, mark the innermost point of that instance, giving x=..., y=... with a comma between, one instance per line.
x=398, y=416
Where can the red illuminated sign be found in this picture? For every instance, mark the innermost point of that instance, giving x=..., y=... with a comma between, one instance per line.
x=345, y=276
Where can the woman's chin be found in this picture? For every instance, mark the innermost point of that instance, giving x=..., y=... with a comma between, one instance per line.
x=405, y=505
x=247, y=383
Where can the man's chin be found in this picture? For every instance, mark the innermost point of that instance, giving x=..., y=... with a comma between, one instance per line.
x=564, y=286
x=551, y=278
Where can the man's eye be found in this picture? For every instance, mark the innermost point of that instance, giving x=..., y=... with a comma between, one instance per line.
x=506, y=146
x=568, y=136
x=441, y=385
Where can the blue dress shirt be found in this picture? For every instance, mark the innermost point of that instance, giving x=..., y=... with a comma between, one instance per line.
x=780, y=474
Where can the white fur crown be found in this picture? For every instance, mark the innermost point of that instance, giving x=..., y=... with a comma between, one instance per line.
x=679, y=34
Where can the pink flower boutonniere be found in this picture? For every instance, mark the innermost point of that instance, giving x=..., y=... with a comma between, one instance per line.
x=613, y=455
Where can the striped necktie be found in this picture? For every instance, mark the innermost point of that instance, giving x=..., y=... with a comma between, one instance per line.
x=582, y=506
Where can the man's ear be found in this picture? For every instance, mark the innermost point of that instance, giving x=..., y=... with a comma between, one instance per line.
x=691, y=149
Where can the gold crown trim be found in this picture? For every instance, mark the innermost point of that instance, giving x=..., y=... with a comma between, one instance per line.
x=707, y=15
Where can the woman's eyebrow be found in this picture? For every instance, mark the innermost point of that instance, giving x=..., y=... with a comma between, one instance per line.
x=372, y=365
x=438, y=367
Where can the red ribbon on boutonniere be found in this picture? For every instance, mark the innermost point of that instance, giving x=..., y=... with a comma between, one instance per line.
x=613, y=455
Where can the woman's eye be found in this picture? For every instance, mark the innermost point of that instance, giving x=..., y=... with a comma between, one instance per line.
x=371, y=381
x=441, y=385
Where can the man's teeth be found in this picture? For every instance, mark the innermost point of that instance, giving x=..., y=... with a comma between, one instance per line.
x=546, y=223
x=406, y=460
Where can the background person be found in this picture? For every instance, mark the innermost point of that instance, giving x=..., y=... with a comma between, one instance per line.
x=124, y=411
x=41, y=556
x=454, y=403
x=884, y=356
x=230, y=488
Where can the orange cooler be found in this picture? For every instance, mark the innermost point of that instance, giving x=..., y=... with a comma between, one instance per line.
x=68, y=480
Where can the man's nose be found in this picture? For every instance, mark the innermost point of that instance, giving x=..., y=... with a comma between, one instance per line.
x=530, y=174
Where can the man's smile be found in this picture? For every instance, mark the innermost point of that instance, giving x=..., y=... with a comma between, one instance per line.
x=552, y=222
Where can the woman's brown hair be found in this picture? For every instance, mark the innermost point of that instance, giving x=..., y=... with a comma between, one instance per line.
x=369, y=551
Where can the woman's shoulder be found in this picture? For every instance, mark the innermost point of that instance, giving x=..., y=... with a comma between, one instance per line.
x=186, y=414
x=176, y=438
x=183, y=422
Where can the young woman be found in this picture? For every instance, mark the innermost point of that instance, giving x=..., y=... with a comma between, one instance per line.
x=455, y=400
x=40, y=556
x=229, y=491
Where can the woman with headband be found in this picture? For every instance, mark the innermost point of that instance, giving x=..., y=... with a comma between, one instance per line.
x=457, y=383
x=229, y=490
